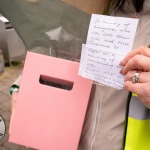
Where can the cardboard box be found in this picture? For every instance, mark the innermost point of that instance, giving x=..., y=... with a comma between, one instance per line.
x=50, y=117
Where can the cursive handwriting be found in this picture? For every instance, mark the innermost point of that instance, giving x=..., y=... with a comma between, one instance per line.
x=111, y=34
x=109, y=40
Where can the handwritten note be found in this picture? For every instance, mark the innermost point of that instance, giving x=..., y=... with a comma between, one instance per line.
x=109, y=40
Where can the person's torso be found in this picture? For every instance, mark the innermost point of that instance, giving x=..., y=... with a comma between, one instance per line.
x=104, y=123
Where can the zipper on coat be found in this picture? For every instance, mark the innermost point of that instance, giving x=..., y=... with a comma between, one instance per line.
x=97, y=117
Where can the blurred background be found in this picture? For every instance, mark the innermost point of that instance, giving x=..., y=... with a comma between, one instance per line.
x=12, y=54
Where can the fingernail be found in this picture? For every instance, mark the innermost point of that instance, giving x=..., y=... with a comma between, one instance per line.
x=122, y=63
x=121, y=71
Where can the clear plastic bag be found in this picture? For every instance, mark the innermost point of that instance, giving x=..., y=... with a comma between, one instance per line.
x=64, y=45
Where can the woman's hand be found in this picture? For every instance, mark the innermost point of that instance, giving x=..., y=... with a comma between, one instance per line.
x=138, y=61
x=14, y=100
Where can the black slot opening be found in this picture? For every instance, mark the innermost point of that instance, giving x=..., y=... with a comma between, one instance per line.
x=57, y=83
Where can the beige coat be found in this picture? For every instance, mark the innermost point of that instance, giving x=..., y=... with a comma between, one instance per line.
x=104, y=123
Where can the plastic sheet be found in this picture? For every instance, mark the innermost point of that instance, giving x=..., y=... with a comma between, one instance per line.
x=65, y=45
x=49, y=27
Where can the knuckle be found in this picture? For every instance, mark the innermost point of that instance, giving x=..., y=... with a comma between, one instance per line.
x=136, y=59
x=142, y=49
x=127, y=85
x=129, y=75
x=144, y=91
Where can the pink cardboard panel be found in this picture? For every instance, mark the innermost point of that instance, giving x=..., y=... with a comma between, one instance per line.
x=47, y=117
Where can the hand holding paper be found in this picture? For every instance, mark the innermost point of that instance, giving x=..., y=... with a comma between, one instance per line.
x=108, y=42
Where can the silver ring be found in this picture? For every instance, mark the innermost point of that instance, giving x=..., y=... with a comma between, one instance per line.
x=135, y=78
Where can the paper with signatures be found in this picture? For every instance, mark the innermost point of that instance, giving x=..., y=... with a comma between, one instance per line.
x=109, y=40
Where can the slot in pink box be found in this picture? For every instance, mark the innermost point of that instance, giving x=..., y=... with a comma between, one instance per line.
x=50, y=117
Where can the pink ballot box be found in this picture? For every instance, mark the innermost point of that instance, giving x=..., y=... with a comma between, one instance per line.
x=50, y=117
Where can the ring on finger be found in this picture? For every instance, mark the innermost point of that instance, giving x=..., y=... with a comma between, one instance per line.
x=135, y=77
